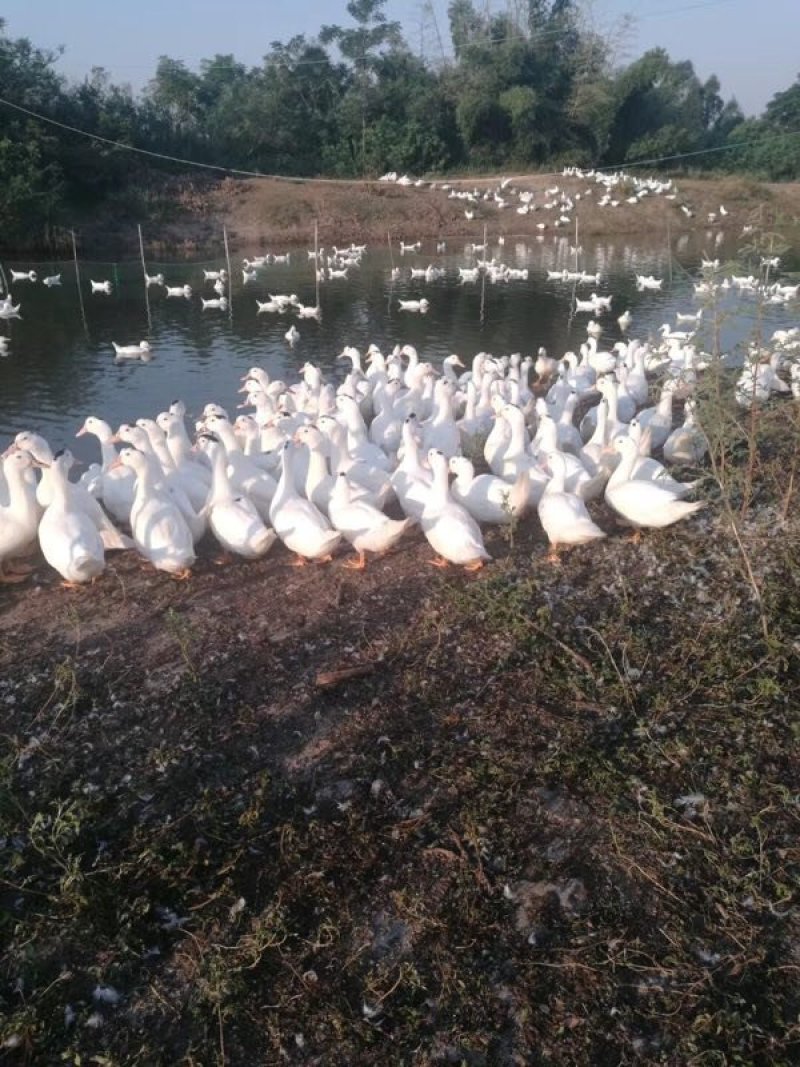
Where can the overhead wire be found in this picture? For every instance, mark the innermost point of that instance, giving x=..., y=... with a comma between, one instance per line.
x=611, y=167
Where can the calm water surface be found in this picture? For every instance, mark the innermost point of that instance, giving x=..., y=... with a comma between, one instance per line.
x=61, y=368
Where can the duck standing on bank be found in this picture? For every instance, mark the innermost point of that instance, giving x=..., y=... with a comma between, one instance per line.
x=69, y=540
x=363, y=525
x=450, y=529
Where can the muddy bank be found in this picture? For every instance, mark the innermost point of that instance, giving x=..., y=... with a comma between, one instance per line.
x=539, y=814
x=186, y=215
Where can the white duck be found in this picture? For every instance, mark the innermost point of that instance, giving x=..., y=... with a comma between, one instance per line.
x=642, y=503
x=650, y=470
x=79, y=495
x=441, y=431
x=117, y=483
x=167, y=481
x=19, y=518
x=101, y=287
x=159, y=528
x=450, y=529
x=246, y=476
x=358, y=471
x=51, y=280
x=186, y=478
x=140, y=351
x=233, y=519
x=69, y=540
x=301, y=526
x=23, y=275
x=364, y=526
x=687, y=443
x=420, y=306
x=658, y=419
x=563, y=515
x=486, y=497
x=410, y=480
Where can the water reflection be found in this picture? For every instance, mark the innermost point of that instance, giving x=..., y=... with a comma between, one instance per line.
x=59, y=370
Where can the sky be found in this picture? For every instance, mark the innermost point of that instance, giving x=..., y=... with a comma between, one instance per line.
x=751, y=47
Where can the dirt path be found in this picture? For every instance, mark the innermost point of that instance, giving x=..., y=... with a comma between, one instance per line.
x=320, y=817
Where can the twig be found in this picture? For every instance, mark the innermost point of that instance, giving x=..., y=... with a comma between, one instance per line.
x=327, y=679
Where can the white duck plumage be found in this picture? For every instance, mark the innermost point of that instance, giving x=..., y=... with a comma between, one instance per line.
x=650, y=470
x=450, y=529
x=687, y=443
x=159, y=528
x=411, y=480
x=117, y=482
x=298, y=523
x=80, y=497
x=364, y=526
x=233, y=518
x=137, y=437
x=486, y=497
x=19, y=518
x=140, y=351
x=658, y=419
x=68, y=538
x=643, y=503
x=563, y=515
x=440, y=431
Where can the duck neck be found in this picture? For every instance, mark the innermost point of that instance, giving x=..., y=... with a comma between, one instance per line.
x=162, y=453
x=58, y=486
x=340, y=458
x=107, y=450
x=610, y=393
x=558, y=476
x=517, y=435
x=21, y=492
x=179, y=445
x=317, y=465
x=472, y=398
x=624, y=469
x=221, y=490
x=224, y=431
x=440, y=489
x=599, y=435
x=148, y=479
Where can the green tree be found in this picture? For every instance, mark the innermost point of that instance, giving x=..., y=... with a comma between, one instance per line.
x=30, y=174
x=361, y=46
x=783, y=110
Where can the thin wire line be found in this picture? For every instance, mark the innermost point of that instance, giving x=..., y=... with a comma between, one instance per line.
x=371, y=181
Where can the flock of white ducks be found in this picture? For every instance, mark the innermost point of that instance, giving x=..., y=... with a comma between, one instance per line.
x=558, y=204
x=317, y=464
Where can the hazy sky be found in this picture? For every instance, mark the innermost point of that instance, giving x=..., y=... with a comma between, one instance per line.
x=752, y=47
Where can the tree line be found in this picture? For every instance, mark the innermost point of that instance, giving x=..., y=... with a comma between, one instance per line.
x=534, y=85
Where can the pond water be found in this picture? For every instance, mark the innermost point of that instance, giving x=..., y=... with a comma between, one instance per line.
x=60, y=365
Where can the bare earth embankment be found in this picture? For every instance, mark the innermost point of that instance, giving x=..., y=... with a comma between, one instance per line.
x=187, y=215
